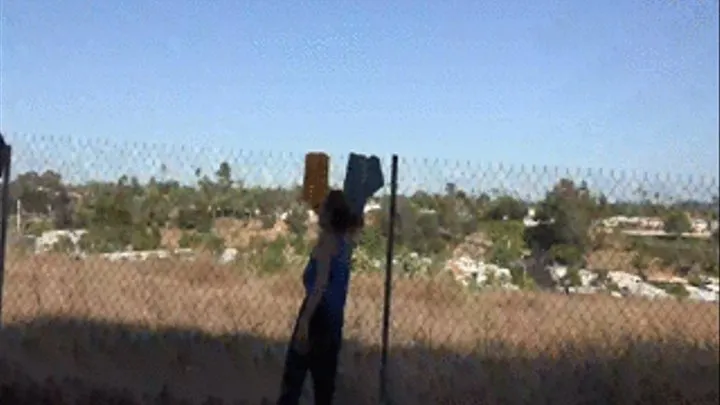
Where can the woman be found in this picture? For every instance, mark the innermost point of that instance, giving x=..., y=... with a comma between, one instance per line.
x=317, y=336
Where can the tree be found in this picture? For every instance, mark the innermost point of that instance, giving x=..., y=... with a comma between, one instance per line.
x=224, y=175
x=423, y=200
x=134, y=212
x=604, y=208
x=677, y=222
x=483, y=200
x=372, y=241
x=405, y=219
x=426, y=237
x=450, y=189
x=508, y=243
x=449, y=218
x=39, y=193
x=506, y=208
x=418, y=230
x=566, y=215
x=63, y=212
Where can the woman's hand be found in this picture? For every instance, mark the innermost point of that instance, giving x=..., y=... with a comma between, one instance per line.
x=301, y=341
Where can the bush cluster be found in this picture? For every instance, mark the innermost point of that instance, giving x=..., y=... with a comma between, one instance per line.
x=126, y=214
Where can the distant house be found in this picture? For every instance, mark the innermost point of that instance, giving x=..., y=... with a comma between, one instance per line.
x=49, y=239
x=635, y=223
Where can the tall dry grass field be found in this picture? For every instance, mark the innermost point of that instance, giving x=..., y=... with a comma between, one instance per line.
x=200, y=329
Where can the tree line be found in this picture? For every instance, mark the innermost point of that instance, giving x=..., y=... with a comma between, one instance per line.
x=127, y=212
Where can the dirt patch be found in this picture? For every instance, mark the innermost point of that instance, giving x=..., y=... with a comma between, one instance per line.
x=234, y=232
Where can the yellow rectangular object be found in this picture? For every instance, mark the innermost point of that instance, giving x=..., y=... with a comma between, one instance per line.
x=316, y=180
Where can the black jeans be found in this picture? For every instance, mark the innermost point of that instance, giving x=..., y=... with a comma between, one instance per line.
x=320, y=359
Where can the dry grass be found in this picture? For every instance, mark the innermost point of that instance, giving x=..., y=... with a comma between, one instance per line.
x=448, y=345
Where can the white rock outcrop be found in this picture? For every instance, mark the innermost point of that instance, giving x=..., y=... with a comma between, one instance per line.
x=616, y=283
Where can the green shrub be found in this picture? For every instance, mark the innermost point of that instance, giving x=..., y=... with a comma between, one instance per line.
x=695, y=280
x=572, y=278
x=372, y=241
x=506, y=207
x=189, y=240
x=602, y=278
x=206, y=240
x=439, y=261
x=23, y=246
x=521, y=279
x=640, y=261
x=271, y=257
x=491, y=280
x=675, y=289
x=567, y=255
x=194, y=219
x=296, y=220
x=106, y=239
x=37, y=228
x=612, y=286
x=300, y=246
x=508, y=241
x=213, y=242
x=494, y=280
x=362, y=260
x=674, y=252
x=267, y=221
x=63, y=245
x=145, y=238
x=677, y=222
x=413, y=265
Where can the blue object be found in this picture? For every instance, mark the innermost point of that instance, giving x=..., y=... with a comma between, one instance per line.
x=374, y=179
x=363, y=178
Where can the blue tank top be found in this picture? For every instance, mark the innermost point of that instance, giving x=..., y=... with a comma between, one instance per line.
x=338, y=282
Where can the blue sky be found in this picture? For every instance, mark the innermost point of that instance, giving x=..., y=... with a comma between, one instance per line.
x=613, y=84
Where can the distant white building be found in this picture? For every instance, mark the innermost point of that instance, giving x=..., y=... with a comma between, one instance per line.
x=645, y=223
x=372, y=206
x=49, y=239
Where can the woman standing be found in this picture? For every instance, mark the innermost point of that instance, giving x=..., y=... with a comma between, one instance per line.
x=317, y=337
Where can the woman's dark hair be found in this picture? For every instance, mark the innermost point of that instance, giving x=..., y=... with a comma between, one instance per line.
x=340, y=217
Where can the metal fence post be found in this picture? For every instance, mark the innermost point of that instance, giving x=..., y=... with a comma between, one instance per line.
x=388, y=281
x=5, y=155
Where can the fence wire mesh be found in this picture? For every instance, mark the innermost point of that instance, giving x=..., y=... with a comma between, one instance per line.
x=177, y=269
x=528, y=284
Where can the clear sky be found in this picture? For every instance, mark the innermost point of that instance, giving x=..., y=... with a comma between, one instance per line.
x=624, y=84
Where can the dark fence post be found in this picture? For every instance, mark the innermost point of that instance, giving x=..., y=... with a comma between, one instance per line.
x=5, y=154
x=388, y=281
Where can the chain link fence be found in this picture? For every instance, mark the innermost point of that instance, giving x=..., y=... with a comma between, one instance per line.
x=545, y=285
x=146, y=268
